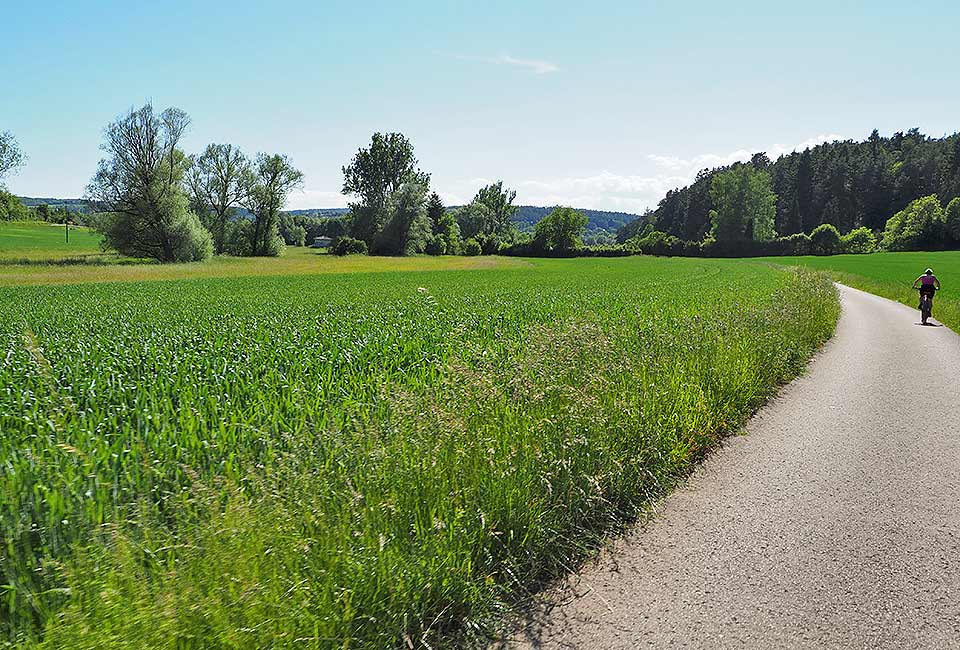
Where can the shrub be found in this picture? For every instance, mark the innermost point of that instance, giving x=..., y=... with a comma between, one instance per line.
x=795, y=244
x=172, y=234
x=348, y=246
x=436, y=245
x=859, y=240
x=952, y=219
x=825, y=240
x=11, y=209
x=471, y=247
x=917, y=226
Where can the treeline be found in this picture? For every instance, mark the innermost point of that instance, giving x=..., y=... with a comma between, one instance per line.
x=11, y=158
x=12, y=208
x=849, y=185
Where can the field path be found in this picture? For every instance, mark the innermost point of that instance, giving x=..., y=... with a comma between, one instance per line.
x=834, y=524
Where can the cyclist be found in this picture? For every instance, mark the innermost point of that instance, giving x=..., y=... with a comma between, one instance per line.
x=928, y=285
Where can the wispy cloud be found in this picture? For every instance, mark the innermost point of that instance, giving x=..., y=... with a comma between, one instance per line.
x=537, y=66
x=637, y=192
x=703, y=161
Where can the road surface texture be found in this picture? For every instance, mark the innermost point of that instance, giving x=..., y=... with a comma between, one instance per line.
x=835, y=523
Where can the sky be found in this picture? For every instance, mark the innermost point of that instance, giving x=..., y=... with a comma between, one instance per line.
x=603, y=105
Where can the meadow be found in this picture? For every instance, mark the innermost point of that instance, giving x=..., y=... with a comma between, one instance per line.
x=43, y=242
x=381, y=459
x=891, y=275
x=36, y=253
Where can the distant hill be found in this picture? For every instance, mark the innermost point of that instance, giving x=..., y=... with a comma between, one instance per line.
x=526, y=217
x=73, y=205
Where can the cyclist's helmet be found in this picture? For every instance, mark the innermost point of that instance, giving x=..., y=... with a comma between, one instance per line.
x=928, y=272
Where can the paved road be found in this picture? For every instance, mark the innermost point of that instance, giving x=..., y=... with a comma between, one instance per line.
x=834, y=524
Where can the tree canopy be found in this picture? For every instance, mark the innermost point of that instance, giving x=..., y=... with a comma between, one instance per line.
x=849, y=184
x=264, y=187
x=138, y=189
x=744, y=205
x=561, y=230
x=214, y=180
x=11, y=156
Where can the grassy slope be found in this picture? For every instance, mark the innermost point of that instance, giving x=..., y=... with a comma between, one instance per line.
x=891, y=275
x=299, y=461
x=36, y=241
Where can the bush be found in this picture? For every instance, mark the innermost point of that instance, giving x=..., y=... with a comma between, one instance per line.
x=795, y=244
x=471, y=247
x=859, y=240
x=436, y=245
x=11, y=209
x=825, y=240
x=952, y=219
x=919, y=225
x=173, y=234
x=348, y=246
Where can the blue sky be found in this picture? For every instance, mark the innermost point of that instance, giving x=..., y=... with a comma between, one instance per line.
x=598, y=105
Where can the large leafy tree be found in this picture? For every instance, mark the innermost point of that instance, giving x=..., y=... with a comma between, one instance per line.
x=408, y=229
x=11, y=156
x=918, y=226
x=744, y=205
x=138, y=189
x=264, y=189
x=374, y=174
x=498, y=209
x=561, y=230
x=214, y=181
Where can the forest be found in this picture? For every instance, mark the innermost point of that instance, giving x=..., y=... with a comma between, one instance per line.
x=846, y=184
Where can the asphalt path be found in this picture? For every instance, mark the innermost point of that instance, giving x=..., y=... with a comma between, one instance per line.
x=834, y=523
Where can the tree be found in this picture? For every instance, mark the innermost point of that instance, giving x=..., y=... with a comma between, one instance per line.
x=859, y=240
x=214, y=182
x=561, y=230
x=435, y=211
x=11, y=208
x=917, y=226
x=744, y=205
x=472, y=219
x=373, y=175
x=825, y=240
x=264, y=189
x=952, y=219
x=407, y=228
x=11, y=156
x=137, y=188
x=498, y=209
x=449, y=231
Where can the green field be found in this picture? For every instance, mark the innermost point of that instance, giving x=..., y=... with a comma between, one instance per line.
x=35, y=253
x=355, y=460
x=892, y=274
x=34, y=241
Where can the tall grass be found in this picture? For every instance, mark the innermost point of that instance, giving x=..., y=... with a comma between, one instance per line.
x=378, y=460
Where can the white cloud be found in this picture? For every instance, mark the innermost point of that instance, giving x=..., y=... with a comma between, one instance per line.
x=537, y=66
x=634, y=192
x=605, y=190
x=308, y=199
x=707, y=160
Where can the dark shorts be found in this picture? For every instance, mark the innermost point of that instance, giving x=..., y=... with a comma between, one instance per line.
x=928, y=289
